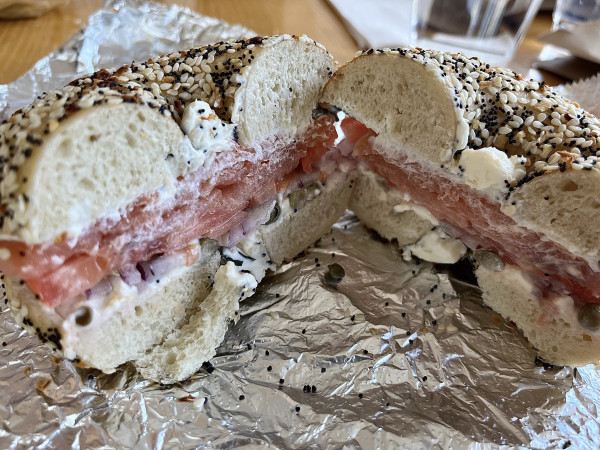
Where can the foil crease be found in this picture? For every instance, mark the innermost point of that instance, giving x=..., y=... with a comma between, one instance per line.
x=396, y=354
x=123, y=29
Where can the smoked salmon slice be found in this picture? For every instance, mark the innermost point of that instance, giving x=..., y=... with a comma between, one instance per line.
x=208, y=203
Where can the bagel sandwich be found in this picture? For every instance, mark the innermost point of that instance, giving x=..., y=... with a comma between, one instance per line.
x=140, y=204
x=457, y=154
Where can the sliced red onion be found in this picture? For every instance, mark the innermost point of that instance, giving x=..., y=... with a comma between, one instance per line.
x=228, y=224
x=145, y=270
x=328, y=165
x=346, y=147
x=256, y=216
x=473, y=244
x=130, y=275
x=165, y=264
x=235, y=235
x=102, y=289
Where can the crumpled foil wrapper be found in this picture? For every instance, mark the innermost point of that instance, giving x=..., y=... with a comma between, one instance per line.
x=395, y=354
x=122, y=30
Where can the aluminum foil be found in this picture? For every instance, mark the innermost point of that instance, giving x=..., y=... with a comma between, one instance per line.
x=122, y=30
x=395, y=354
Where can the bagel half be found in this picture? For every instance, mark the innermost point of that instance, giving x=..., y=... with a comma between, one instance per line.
x=137, y=204
x=504, y=164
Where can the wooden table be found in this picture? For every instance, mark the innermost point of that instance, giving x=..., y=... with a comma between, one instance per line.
x=23, y=42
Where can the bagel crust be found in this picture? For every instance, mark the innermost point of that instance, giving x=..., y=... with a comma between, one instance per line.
x=106, y=177
x=452, y=104
x=496, y=107
x=228, y=76
x=505, y=164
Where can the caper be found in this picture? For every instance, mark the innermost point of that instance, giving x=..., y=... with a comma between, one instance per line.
x=208, y=246
x=489, y=260
x=297, y=198
x=335, y=273
x=274, y=214
x=589, y=316
x=83, y=316
x=313, y=187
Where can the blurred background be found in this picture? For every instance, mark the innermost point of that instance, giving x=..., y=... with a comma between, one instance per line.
x=543, y=50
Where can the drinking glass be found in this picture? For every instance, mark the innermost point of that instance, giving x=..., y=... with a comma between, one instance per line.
x=490, y=29
x=569, y=12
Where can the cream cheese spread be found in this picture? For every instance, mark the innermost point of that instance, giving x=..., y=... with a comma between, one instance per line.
x=341, y=115
x=206, y=132
x=250, y=255
x=437, y=247
x=489, y=169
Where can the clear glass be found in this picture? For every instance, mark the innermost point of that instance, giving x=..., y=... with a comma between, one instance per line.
x=568, y=12
x=490, y=29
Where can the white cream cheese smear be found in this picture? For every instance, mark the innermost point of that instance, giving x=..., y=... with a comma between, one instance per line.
x=437, y=247
x=206, y=132
x=490, y=169
x=338, y=127
x=420, y=211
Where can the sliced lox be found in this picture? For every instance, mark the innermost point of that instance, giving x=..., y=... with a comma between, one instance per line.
x=209, y=202
x=468, y=215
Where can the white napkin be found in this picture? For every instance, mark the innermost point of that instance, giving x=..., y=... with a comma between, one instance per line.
x=385, y=23
x=581, y=39
x=585, y=92
x=377, y=23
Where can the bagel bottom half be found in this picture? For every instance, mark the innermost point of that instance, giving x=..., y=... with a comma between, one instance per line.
x=553, y=326
x=171, y=328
